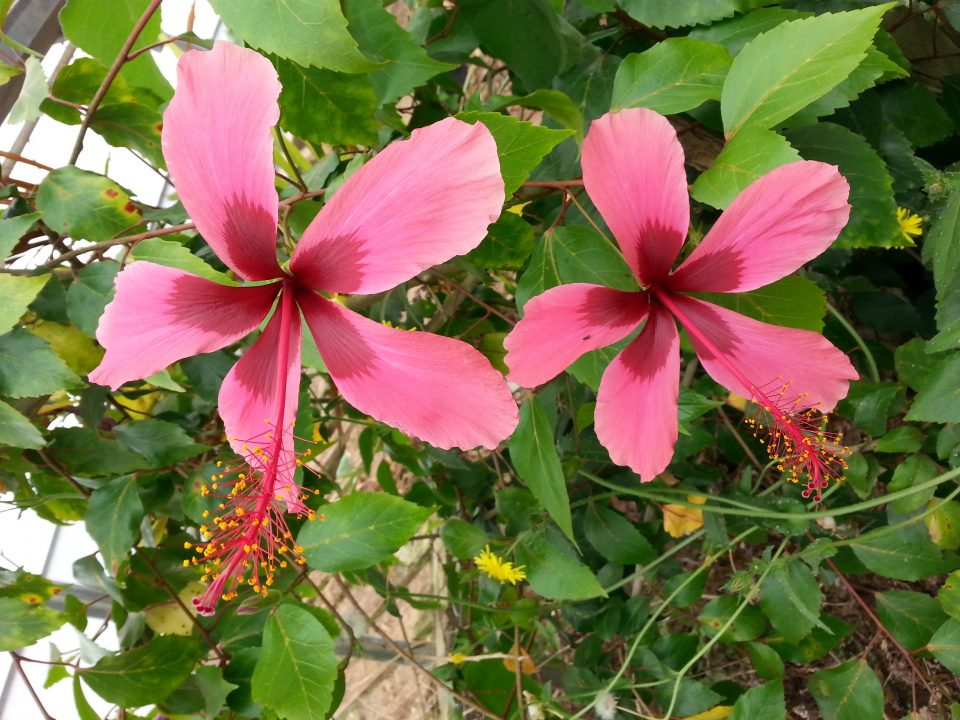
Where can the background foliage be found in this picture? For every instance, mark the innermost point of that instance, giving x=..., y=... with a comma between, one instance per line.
x=754, y=604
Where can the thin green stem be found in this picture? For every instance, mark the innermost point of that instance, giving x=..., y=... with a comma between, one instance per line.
x=872, y=368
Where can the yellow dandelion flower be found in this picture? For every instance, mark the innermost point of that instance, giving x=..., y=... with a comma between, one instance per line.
x=499, y=569
x=910, y=224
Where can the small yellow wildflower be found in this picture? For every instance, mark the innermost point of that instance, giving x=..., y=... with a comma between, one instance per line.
x=497, y=568
x=910, y=224
x=458, y=658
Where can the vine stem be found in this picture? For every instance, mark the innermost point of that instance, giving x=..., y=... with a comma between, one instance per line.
x=867, y=355
x=26, y=681
x=122, y=57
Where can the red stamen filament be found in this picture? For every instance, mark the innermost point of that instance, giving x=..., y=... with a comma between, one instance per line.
x=796, y=436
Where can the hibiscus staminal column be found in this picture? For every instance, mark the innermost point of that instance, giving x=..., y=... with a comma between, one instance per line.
x=250, y=532
x=795, y=432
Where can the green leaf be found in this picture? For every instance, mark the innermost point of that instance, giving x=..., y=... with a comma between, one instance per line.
x=763, y=701
x=520, y=145
x=912, y=471
x=84, y=452
x=462, y=539
x=791, y=598
x=307, y=32
x=782, y=71
x=113, y=519
x=131, y=126
x=554, y=103
x=84, y=710
x=295, y=674
x=146, y=674
x=160, y=442
x=848, y=692
x=945, y=645
x=657, y=13
x=407, y=65
x=736, y=32
x=615, y=537
x=14, y=228
x=17, y=431
x=553, y=569
x=943, y=524
x=949, y=595
x=214, y=688
x=745, y=157
x=89, y=294
x=533, y=39
x=323, y=106
x=911, y=617
x=101, y=29
x=900, y=556
x=792, y=302
x=573, y=253
x=533, y=452
x=673, y=76
x=173, y=254
x=34, y=91
x=22, y=624
x=938, y=399
x=748, y=625
x=508, y=244
x=18, y=292
x=873, y=218
x=903, y=438
x=29, y=368
x=766, y=662
x=84, y=205
x=359, y=531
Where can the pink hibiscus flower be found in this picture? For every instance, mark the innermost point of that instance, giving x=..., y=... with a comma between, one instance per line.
x=416, y=204
x=633, y=170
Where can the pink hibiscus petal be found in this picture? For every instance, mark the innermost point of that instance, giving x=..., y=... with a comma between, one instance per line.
x=633, y=172
x=762, y=355
x=565, y=322
x=782, y=220
x=637, y=404
x=161, y=315
x=217, y=144
x=416, y=204
x=432, y=387
x=249, y=402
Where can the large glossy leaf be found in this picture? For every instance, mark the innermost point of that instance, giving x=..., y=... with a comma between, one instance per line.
x=791, y=302
x=553, y=569
x=533, y=452
x=358, y=531
x=297, y=668
x=146, y=674
x=84, y=205
x=911, y=617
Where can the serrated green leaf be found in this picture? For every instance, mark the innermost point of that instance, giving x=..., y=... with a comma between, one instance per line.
x=736, y=32
x=84, y=452
x=29, y=368
x=323, y=106
x=113, y=519
x=146, y=674
x=520, y=145
x=850, y=691
x=33, y=92
x=792, y=302
x=911, y=617
x=173, y=254
x=673, y=76
x=22, y=624
x=14, y=228
x=17, y=291
x=785, y=69
x=89, y=294
x=533, y=452
x=938, y=399
x=764, y=701
x=656, y=13
x=307, y=32
x=873, y=217
x=552, y=567
x=17, y=431
x=85, y=205
x=745, y=157
x=791, y=598
x=297, y=669
x=900, y=556
x=615, y=537
x=554, y=104
x=407, y=65
x=160, y=442
x=508, y=244
x=359, y=531
x=101, y=29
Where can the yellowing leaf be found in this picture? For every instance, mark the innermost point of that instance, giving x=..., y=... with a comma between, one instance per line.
x=679, y=520
x=526, y=664
x=79, y=352
x=169, y=618
x=736, y=401
x=715, y=713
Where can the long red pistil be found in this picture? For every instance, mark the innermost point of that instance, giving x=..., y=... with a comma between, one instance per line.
x=796, y=434
x=252, y=531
